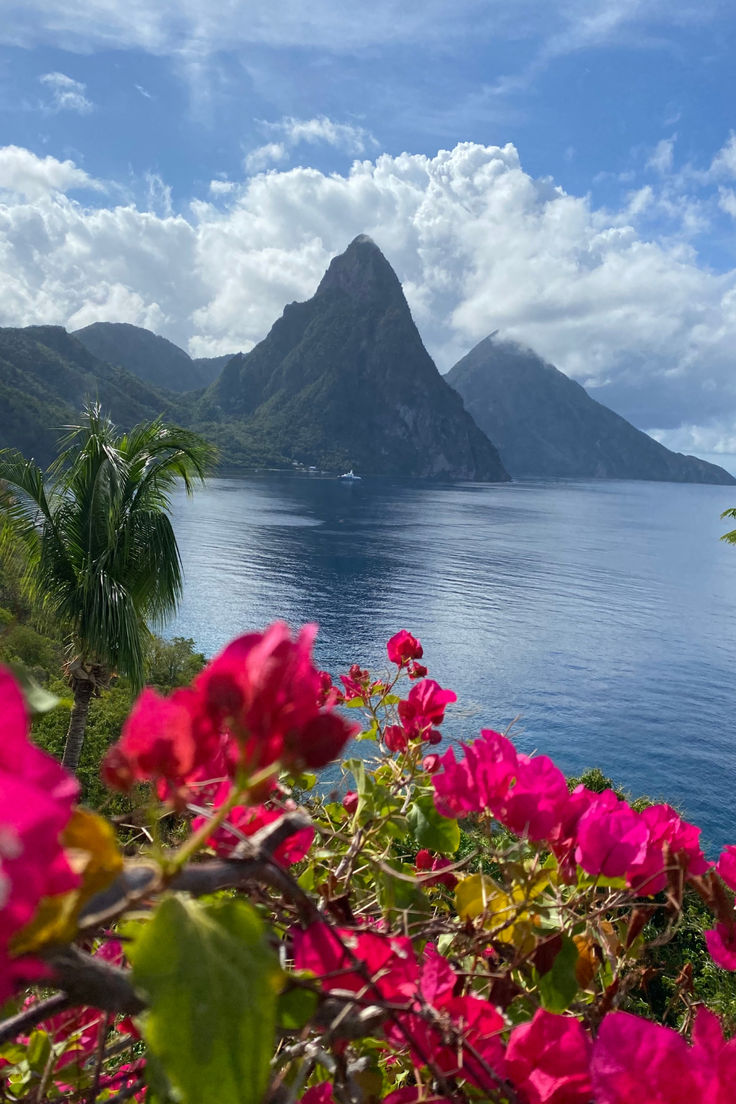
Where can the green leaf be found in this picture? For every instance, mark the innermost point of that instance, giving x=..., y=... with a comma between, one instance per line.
x=296, y=1008
x=39, y=1050
x=212, y=983
x=559, y=986
x=355, y=703
x=38, y=700
x=430, y=830
x=390, y=699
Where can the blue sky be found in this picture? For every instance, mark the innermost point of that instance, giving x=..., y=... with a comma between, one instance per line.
x=192, y=166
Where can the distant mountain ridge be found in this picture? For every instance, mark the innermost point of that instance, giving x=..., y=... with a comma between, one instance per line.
x=546, y=424
x=45, y=377
x=344, y=381
x=152, y=358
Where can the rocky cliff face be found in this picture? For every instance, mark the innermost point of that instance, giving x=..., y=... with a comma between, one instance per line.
x=344, y=381
x=545, y=424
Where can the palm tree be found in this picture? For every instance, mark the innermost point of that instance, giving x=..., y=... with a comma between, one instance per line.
x=102, y=556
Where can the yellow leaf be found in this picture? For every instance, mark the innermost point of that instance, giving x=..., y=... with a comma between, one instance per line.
x=587, y=964
x=506, y=914
x=93, y=853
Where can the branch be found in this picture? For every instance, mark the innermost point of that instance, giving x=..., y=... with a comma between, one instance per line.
x=28, y=1018
x=91, y=981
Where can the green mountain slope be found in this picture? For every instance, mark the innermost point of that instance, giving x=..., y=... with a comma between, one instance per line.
x=45, y=377
x=152, y=358
x=545, y=424
x=344, y=381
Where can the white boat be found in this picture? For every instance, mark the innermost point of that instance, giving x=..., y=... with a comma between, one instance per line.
x=351, y=476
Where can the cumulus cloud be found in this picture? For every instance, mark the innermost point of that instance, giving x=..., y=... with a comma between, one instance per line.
x=24, y=174
x=478, y=243
x=66, y=93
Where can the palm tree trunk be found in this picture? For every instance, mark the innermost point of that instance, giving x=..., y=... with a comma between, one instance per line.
x=83, y=692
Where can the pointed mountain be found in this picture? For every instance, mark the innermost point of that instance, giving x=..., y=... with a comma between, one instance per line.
x=344, y=381
x=148, y=356
x=546, y=424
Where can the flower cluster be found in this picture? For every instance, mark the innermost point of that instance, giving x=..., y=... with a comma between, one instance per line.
x=599, y=832
x=257, y=704
x=36, y=800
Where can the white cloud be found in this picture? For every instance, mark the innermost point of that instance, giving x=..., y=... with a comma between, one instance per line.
x=724, y=162
x=662, y=156
x=478, y=243
x=348, y=137
x=25, y=174
x=727, y=201
x=345, y=136
x=201, y=27
x=66, y=93
x=272, y=153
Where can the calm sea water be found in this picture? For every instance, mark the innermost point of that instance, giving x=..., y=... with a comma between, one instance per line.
x=602, y=615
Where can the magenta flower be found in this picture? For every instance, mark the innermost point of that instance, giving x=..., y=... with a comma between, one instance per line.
x=36, y=800
x=726, y=866
x=404, y=647
x=548, y=1059
x=263, y=693
x=425, y=707
x=611, y=837
x=721, y=944
x=666, y=829
x=534, y=806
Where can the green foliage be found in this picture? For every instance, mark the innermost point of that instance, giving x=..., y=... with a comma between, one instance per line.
x=172, y=663
x=212, y=984
x=430, y=830
x=102, y=553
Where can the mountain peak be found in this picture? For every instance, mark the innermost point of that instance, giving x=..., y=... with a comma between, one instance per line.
x=362, y=272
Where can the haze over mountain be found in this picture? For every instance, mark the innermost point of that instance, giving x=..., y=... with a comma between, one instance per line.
x=546, y=424
x=344, y=381
x=148, y=356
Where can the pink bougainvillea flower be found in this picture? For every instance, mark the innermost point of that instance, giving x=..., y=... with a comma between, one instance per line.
x=667, y=831
x=611, y=837
x=244, y=821
x=417, y=670
x=726, y=866
x=263, y=694
x=476, y=1051
x=395, y=738
x=355, y=683
x=721, y=944
x=548, y=1059
x=480, y=780
x=359, y=961
x=427, y=863
x=318, y=1094
x=425, y=707
x=350, y=802
x=636, y=1060
x=36, y=800
x=404, y=647
x=412, y=1094
x=534, y=805
x=157, y=741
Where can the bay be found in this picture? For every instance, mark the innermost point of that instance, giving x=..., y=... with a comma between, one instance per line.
x=601, y=616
